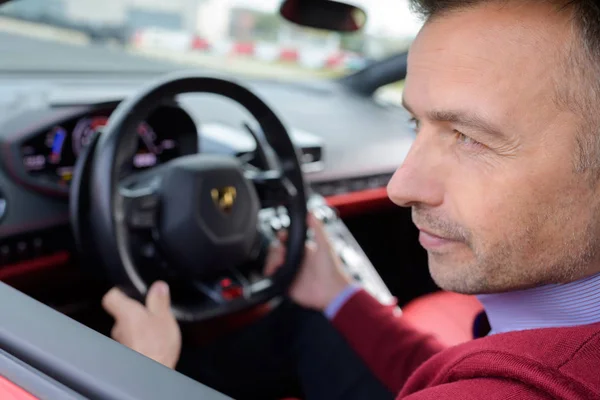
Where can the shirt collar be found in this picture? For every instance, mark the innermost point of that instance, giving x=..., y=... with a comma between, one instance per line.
x=550, y=306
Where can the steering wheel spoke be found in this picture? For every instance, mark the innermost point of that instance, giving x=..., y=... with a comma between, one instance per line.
x=273, y=188
x=141, y=201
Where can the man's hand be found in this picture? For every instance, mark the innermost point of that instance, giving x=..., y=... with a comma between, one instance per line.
x=151, y=330
x=321, y=277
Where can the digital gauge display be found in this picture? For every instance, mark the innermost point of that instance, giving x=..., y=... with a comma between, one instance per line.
x=84, y=130
x=52, y=155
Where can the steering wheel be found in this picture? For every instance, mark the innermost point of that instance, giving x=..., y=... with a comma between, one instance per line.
x=193, y=221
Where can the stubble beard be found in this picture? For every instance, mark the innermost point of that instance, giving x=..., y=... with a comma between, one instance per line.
x=523, y=259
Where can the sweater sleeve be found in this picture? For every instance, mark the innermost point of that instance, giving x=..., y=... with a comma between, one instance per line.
x=479, y=389
x=390, y=347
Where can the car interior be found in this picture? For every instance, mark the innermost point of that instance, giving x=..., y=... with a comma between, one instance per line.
x=121, y=169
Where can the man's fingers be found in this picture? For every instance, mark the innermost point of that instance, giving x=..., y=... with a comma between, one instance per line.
x=282, y=236
x=320, y=236
x=275, y=259
x=158, y=299
x=117, y=303
x=116, y=333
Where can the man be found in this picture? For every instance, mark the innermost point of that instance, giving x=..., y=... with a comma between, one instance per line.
x=504, y=184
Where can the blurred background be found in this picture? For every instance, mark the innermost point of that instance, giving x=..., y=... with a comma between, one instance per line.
x=243, y=37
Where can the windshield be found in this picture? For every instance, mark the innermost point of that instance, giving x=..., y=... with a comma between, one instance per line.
x=244, y=37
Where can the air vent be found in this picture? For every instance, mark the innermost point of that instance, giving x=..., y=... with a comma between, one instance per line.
x=311, y=158
x=50, y=244
x=343, y=186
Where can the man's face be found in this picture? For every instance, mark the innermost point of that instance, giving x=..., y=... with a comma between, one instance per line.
x=491, y=177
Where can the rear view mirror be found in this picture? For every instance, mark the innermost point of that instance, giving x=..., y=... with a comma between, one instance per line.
x=324, y=14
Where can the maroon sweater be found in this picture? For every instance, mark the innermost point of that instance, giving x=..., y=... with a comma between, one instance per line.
x=553, y=363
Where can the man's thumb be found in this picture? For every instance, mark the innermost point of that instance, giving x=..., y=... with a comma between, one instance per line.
x=158, y=299
x=320, y=236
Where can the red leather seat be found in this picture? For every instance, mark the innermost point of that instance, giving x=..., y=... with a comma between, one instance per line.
x=446, y=315
x=10, y=391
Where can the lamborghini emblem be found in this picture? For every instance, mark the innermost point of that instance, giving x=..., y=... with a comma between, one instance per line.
x=224, y=198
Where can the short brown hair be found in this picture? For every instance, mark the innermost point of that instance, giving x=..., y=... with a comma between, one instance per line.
x=581, y=93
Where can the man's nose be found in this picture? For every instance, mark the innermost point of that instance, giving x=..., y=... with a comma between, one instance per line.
x=420, y=178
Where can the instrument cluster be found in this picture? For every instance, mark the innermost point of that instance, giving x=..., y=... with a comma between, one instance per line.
x=51, y=155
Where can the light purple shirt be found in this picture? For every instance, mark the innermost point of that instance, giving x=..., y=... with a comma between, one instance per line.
x=341, y=299
x=550, y=306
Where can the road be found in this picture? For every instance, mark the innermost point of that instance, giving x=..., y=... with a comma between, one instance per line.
x=22, y=53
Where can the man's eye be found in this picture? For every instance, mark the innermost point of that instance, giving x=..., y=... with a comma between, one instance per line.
x=461, y=138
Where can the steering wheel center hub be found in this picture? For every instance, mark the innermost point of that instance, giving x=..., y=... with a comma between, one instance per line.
x=208, y=220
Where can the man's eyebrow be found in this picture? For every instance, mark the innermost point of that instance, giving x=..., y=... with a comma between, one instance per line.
x=467, y=119
x=462, y=118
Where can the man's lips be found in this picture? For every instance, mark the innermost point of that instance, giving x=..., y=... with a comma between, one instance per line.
x=431, y=241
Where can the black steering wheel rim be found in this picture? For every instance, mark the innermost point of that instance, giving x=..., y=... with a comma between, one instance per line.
x=112, y=149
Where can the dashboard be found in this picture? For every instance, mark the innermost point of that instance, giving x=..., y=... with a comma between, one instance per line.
x=349, y=147
x=49, y=156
